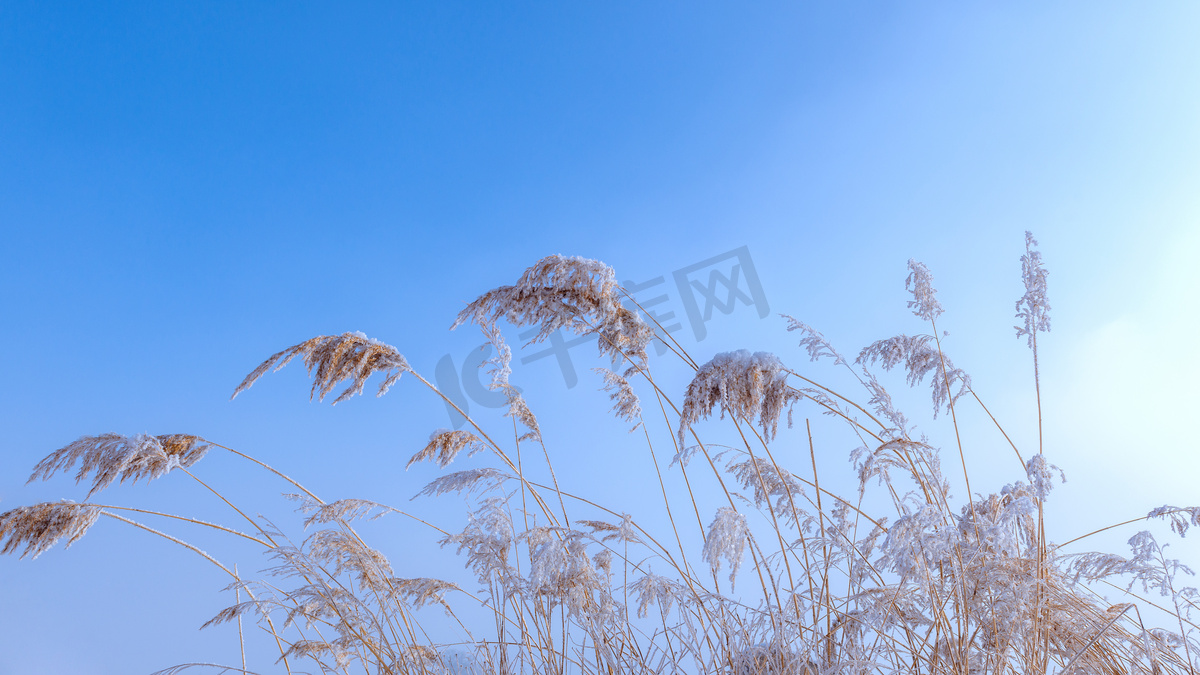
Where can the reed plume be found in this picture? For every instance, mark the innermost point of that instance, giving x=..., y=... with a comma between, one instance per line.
x=894, y=574
x=113, y=457
x=745, y=385
x=41, y=526
x=335, y=358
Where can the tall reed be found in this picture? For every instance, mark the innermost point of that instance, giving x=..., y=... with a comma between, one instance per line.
x=784, y=576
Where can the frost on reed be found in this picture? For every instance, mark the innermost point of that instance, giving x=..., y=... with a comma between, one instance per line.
x=745, y=385
x=897, y=575
x=41, y=526
x=333, y=358
x=1033, y=307
x=564, y=293
x=113, y=457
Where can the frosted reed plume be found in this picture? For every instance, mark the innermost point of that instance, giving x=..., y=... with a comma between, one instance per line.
x=626, y=405
x=772, y=659
x=745, y=385
x=41, y=526
x=920, y=356
x=652, y=589
x=471, y=480
x=878, y=571
x=113, y=457
x=575, y=294
x=1181, y=519
x=444, y=445
x=920, y=283
x=727, y=538
x=335, y=358
x=1033, y=307
x=564, y=293
x=814, y=342
x=340, y=511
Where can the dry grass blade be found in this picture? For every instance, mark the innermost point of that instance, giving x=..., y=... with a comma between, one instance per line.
x=901, y=578
x=174, y=670
x=334, y=358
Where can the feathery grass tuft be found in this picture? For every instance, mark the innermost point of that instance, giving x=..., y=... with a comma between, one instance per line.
x=745, y=385
x=335, y=358
x=894, y=576
x=113, y=457
x=41, y=526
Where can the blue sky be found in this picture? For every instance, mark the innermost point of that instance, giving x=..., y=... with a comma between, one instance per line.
x=187, y=188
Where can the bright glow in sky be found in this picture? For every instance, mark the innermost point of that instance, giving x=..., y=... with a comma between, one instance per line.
x=188, y=188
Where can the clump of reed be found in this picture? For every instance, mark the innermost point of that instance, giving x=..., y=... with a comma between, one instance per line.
x=895, y=577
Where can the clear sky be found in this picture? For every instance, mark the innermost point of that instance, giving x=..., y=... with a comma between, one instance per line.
x=186, y=188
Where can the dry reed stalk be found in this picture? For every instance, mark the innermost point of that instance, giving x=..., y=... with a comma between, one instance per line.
x=897, y=578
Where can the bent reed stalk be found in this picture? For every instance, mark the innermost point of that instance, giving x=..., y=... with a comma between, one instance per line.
x=896, y=577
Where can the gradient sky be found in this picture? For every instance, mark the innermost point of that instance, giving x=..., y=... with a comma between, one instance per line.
x=186, y=188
